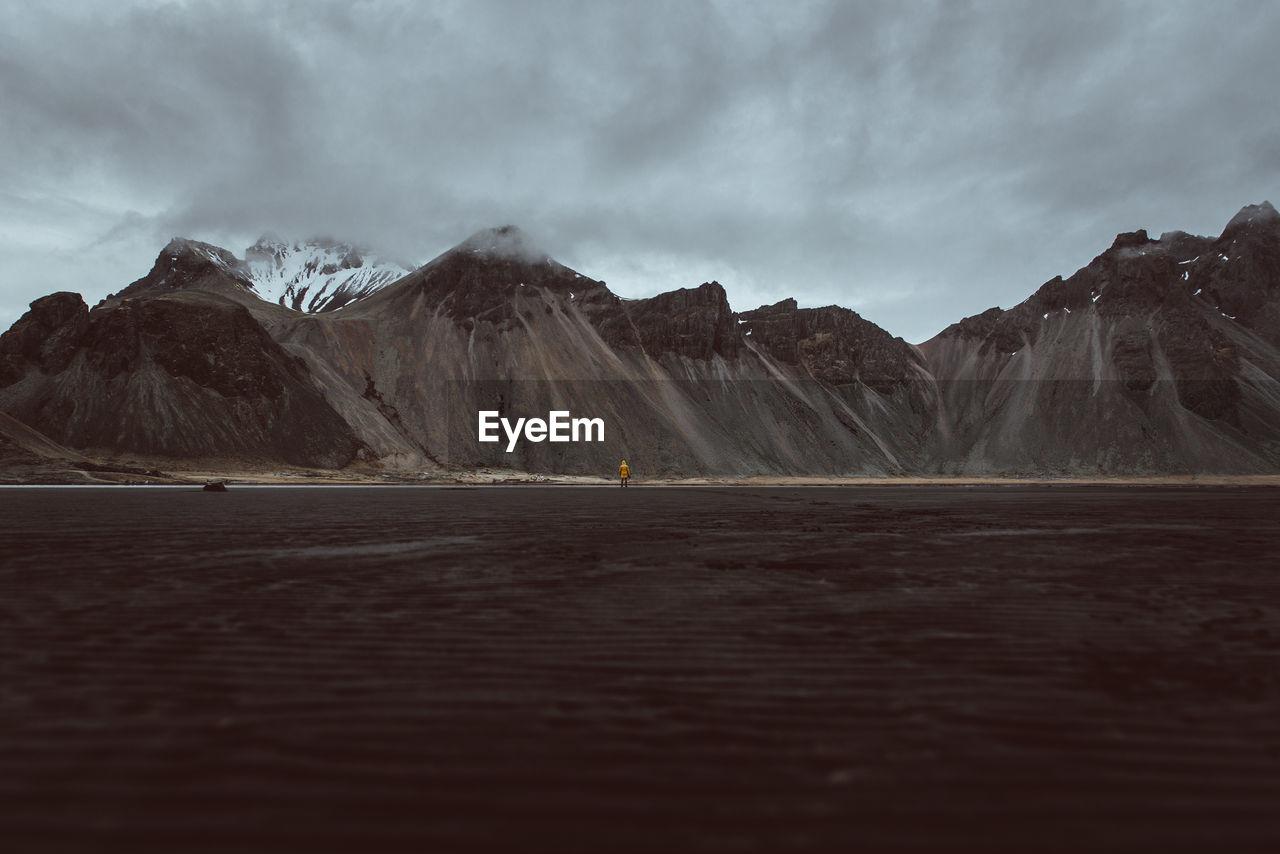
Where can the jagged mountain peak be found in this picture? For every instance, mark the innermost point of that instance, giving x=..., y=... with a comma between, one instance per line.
x=186, y=263
x=1252, y=221
x=180, y=245
x=314, y=275
x=786, y=305
x=1257, y=215
x=483, y=276
x=185, y=253
x=506, y=242
x=1130, y=239
x=833, y=343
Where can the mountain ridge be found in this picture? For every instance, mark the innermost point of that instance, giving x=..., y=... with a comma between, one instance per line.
x=1158, y=356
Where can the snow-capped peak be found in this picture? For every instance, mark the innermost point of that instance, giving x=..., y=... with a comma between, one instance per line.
x=316, y=275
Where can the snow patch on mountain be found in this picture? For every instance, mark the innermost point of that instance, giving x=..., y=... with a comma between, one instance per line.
x=316, y=275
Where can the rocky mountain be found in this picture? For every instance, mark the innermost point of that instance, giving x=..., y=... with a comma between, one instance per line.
x=1160, y=356
x=184, y=373
x=189, y=265
x=495, y=324
x=310, y=276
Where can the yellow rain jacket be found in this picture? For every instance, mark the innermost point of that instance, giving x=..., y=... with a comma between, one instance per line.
x=623, y=470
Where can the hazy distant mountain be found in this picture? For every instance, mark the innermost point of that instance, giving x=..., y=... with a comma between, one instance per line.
x=1159, y=356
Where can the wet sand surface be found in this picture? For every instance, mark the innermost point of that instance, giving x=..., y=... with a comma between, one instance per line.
x=592, y=669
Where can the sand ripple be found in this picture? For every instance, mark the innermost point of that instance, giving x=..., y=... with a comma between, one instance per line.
x=676, y=669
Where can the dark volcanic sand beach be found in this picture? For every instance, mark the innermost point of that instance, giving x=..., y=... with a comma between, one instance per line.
x=661, y=669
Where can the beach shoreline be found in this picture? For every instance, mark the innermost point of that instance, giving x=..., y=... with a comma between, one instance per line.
x=156, y=475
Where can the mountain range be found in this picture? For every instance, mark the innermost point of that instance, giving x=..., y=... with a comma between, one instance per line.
x=1160, y=356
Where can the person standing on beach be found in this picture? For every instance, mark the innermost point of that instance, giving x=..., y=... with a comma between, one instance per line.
x=624, y=473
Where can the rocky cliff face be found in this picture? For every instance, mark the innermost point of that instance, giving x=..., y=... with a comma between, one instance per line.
x=1239, y=273
x=183, y=374
x=191, y=265
x=48, y=336
x=1136, y=363
x=694, y=323
x=834, y=345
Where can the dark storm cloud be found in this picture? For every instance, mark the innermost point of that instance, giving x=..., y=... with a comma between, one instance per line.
x=918, y=162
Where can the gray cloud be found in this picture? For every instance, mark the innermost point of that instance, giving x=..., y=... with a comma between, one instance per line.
x=917, y=163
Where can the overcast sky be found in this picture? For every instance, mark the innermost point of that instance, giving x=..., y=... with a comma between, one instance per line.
x=915, y=161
